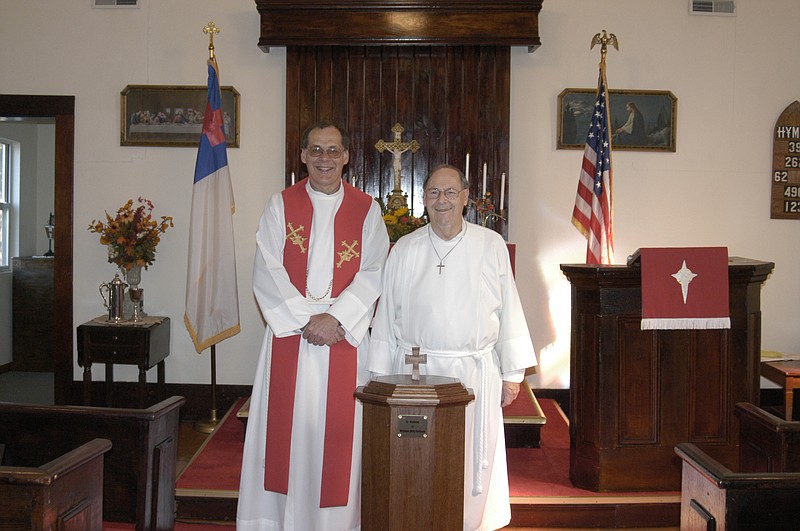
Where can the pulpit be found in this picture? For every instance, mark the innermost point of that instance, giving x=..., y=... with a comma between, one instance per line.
x=635, y=394
x=413, y=453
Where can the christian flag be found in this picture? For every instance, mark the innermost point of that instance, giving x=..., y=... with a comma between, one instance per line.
x=593, y=211
x=685, y=288
x=212, y=299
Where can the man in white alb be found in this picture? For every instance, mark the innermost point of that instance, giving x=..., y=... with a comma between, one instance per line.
x=321, y=245
x=448, y=289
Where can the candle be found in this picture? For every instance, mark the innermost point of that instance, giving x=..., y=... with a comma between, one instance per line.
x=484, y=179
x=502, y=189
x=292, y=178
x=466, y=168
x=353, y=180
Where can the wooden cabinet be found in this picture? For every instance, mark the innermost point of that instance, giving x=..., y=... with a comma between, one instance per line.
x=636, y=394
x=32, y=314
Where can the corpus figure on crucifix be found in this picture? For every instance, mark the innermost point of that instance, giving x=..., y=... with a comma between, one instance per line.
x=397, y=147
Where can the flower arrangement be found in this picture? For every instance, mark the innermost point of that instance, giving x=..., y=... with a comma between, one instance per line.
x=132, y=235
x=400, y=222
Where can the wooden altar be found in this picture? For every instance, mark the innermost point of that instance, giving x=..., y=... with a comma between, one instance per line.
x=636, y=394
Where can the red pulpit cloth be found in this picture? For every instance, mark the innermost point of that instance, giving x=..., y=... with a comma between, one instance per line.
x=685, y=288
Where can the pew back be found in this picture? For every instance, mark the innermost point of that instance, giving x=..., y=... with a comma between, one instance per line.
x=65, y=493
x=714, y=497
x=767, y=443
x=139, y=470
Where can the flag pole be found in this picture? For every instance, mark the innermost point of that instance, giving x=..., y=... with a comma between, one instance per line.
x=210, y=424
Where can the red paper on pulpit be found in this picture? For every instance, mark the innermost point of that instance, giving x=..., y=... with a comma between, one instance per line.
x=685, y=288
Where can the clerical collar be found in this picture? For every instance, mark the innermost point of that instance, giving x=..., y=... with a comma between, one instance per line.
x=311, y=192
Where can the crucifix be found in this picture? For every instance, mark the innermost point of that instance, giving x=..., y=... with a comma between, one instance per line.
x=397, y=147
x=415, y=358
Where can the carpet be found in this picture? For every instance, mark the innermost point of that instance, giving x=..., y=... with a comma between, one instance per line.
x=218, y=463
x=532, y=472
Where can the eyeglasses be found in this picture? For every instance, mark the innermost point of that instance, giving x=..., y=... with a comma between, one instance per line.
x=332, y=152
x=450, y=193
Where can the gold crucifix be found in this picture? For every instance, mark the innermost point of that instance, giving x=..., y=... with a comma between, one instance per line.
x=210, y=29
x=397, y=147
x=415, y=358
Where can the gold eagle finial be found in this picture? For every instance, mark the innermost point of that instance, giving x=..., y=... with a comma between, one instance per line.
x=605, y=39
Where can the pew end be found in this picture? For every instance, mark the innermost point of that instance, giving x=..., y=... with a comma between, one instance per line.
x=139, y=470
x=64, y=493
x=714, y=497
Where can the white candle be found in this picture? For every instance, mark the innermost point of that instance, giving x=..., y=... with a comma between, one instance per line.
x=484, y=179
x=353, y=180
x=502, y=189
x=292, y=178
x=466, y=168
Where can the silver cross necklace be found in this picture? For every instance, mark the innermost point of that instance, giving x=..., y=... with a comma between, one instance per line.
x=440, y=257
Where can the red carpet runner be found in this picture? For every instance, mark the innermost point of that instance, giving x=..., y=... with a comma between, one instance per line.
x=540, y=471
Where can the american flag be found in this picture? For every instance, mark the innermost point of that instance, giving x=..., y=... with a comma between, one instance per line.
x=593, y=212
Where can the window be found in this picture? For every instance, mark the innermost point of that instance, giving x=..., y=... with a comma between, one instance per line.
x=5, y=201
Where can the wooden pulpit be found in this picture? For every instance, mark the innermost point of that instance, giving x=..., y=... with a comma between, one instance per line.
x=413, y=453
x=635, y=394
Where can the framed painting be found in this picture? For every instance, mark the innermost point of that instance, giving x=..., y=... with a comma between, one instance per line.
x=172, y=115
x=642, y=120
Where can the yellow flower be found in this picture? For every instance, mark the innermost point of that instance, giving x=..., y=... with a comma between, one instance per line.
x=132, y=235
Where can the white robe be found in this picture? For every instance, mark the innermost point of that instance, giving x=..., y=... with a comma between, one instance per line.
x=469, y=322
x=286, y=312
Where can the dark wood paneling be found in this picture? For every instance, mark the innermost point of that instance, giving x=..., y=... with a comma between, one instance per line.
x=451, y=99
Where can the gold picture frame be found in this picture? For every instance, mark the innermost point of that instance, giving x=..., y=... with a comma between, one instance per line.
x=657, y=109
x=172, y=115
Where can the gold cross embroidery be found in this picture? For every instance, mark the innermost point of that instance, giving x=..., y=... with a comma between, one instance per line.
x=348, y=253
x=295, y=236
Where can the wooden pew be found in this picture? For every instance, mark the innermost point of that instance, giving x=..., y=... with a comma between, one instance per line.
x=64, y=494
x=140, y=468
x=767, y=443
x=714, y=497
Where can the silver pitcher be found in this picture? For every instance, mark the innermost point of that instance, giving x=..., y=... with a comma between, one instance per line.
x=115, y=300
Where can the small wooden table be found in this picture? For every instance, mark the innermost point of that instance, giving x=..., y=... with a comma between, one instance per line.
x=785, y=373
x=144, y=344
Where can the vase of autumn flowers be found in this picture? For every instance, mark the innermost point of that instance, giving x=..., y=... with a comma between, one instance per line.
x=131, y=235
x=400, y=221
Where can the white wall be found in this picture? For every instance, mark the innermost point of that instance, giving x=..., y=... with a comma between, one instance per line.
x=732, y=76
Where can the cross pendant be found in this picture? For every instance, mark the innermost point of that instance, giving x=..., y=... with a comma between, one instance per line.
x=440, y=266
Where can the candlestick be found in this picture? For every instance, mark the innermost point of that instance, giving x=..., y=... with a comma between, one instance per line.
x=466, y=168
x=502, y=189
x=292, y=178
x=484, y=178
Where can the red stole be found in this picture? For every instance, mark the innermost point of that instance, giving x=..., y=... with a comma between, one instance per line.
x=340, y=409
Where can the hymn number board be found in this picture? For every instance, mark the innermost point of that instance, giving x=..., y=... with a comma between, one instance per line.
x=786, y=164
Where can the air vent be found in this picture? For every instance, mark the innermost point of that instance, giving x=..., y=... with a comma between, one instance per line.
x=713, y=7
x=115, y=3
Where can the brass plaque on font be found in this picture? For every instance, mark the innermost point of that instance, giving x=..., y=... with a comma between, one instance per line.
x=412, y=426
x=785, y=203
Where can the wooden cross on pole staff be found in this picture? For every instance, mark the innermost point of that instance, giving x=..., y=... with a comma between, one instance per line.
x=211, y=29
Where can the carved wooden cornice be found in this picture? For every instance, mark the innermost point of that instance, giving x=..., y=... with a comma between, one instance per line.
x=387, y=22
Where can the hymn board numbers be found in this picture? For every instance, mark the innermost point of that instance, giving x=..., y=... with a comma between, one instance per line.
x=786, y=164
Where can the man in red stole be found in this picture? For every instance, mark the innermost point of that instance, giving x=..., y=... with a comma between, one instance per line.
x=321, y=245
